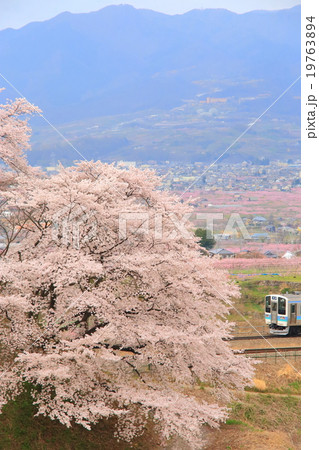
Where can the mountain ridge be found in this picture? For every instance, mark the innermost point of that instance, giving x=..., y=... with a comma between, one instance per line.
x=121, y=60
x=68, y=13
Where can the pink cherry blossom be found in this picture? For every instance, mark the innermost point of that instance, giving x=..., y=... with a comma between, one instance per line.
x=111, y=326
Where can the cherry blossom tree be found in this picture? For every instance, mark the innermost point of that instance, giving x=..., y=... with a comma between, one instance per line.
x=107, y=305
x=15, y=134
x=14, y=141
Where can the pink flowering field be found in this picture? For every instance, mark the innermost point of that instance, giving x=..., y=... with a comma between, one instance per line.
x=265, y=203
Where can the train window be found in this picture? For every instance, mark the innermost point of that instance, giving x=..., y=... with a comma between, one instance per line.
x=293, y=309
x=268, y=304
x=274, y=306
x=281, y=305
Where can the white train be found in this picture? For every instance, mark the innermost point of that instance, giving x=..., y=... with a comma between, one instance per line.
x=283, y=314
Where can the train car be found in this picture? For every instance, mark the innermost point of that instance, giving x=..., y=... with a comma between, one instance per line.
x=283, y=314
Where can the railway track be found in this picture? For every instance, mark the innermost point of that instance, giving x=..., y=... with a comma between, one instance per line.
x=253, y=351
x=251, y=338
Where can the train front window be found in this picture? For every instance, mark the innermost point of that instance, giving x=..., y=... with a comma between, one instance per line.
x=274, y=306
x=267, y=304
x=282, y=306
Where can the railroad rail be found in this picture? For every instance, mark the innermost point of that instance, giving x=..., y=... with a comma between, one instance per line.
x=266, y=336
x=252, y=351
x=252, y=338
x=274, y=354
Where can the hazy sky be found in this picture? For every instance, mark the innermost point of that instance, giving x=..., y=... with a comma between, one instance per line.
x=16, y=13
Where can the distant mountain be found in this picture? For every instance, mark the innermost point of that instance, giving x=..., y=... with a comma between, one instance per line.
x=121, y=59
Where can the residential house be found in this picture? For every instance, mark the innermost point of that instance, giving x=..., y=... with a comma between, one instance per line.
x=260, y=236
x=270, y=254
x=221, y=252
x=224, y=237
x=259, y=220
x=288, y=255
